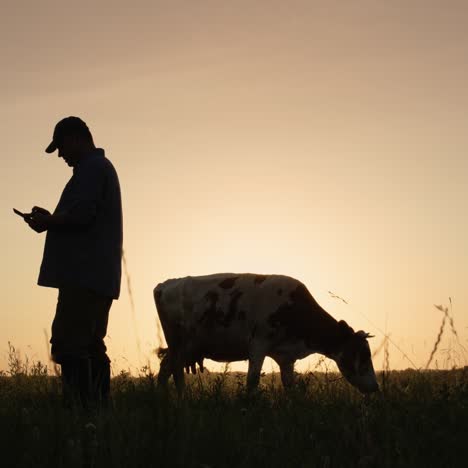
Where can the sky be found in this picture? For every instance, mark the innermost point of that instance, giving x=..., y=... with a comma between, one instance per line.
x=324, y=140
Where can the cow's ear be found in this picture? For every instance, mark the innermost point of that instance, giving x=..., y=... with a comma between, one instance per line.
x=344, y=328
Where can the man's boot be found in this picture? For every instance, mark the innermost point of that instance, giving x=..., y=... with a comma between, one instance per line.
x=70, y=383
x=101, y=381
x=94, y=382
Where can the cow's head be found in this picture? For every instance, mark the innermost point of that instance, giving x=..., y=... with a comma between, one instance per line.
x=354, y=359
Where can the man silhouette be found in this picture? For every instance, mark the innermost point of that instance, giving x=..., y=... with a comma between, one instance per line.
x=82, y=258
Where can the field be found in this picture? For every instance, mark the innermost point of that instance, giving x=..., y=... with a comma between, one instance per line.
x=420, y=419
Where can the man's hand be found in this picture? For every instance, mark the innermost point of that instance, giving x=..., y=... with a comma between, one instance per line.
x=38, y=220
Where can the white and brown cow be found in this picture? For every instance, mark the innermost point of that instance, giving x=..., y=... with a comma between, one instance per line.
x=234, y=317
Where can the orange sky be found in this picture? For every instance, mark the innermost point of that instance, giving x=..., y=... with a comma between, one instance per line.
x=323, y=140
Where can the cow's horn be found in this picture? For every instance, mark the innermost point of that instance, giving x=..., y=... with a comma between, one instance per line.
x=363, y=334
x=368, y=335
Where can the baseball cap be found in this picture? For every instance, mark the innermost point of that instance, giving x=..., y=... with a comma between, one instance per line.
x=73, y=125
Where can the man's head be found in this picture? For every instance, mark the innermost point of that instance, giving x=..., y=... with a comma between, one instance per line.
x=72, y=139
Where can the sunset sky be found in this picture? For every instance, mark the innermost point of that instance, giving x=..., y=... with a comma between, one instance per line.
x=325, y=140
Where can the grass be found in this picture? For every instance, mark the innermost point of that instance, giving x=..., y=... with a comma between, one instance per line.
x=418, y=420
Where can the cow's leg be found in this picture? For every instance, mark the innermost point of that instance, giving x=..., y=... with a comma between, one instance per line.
x=165, y=370
x=172, y=364
x=286, y=366
x=178, y=365
x=256, y=357
x=287, y=373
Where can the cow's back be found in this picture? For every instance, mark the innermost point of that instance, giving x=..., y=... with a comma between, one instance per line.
x=218, y=314
x=187, y=299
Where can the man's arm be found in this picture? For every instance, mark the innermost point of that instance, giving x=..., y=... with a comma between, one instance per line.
x=80, y=215
x=86, y=192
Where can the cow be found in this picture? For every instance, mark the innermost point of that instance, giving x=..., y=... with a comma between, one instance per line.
x=234, y=317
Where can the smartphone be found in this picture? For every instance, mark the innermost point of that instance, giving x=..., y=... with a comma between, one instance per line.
x=23, y=215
